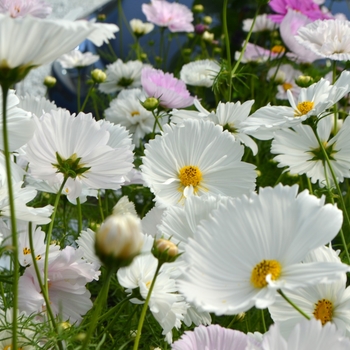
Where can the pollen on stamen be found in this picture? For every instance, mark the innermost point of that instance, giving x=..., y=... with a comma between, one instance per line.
x=264, y=268
x=287, y=86
x=26, y=251
x=278, y=49
x=190, y=175
x=323, y=311
x=135, y=113
x=303, y=108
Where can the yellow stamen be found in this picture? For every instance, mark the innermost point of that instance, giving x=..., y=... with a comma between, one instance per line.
x=304, y=108
x=135, y=113
x=278, y=49
x=264, y=268
x=323, y=311
x=190, y=175
x=26, y=251
x=287, y=86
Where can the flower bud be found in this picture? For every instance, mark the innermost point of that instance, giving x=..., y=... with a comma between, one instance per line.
x=101, y=17
x=200, y=28
x=304, y=81
x=208, y=36
x=98, y=76
x=198, y=8
x=207, y=20
x=151, y=103
x=50, y=81
x=119, y=240
x=165, y=250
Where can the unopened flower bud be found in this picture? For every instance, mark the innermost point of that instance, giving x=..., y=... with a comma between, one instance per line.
x=63, y=326
x=119, y=240
x=101, y=17
x=165, y=250
x=208, y=36
x=98, y=76
x=198, y=8
x=304, y=81
x=200, y=28
x=143, y=56
x=151, y=103
x=50, y=81
x=207, y=20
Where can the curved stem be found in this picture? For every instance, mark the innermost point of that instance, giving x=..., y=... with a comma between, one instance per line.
x=292, y=304
x=228, y=48
x=80, y=216
x=144, y=309
x=48, y=237
x=5, y=89
x=335, y=107
x=335, y=180
x=86, y=99
x=98, y=306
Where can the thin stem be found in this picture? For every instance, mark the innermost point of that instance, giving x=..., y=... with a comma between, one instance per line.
x=228, y=48
x=5, y=89
x=48, y=237
x=100, y=206
x=292, y=304
x=78, y=90
x=120, y=22
x=98, y=306
x=309, y=185
x=86, y=99
x=80, y=216
x=263, y=320
x=335, y=180
x=335, y=107
x=144, y=309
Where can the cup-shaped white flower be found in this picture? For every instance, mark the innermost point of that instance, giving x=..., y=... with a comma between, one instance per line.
x=251, y=247
x=119, y=240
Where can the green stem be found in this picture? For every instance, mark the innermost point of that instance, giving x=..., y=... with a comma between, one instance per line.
x=100, y=206
x=263, y=320
x=292, y=304
x=48, y=237
x=97, y=308
x=80, y=216
x=309, y=185
x=120, y=22
x=228, y=48
x=5, y=89
x=335, y=180
x=86, y=98
x=78, y=90
x=144, y=309
x=335, y=107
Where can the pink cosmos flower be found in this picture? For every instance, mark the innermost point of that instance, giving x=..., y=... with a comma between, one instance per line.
x=212, y=337
x=171, y=92
x=307, y=7
x=175, y=16
x=21, y=8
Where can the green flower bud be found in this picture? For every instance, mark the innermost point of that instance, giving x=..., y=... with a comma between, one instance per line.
x=198, y=8
x=304, y=81
x=98, y=76
x=207, y=20
x=165, y=250
x=151, y=103
x=50, y=81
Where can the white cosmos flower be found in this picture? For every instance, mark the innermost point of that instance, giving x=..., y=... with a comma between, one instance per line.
x=80, y=143
x=195, y=158
x=77, y=59
x=200, y=73
x=299, y=150
x=327, y=302
x=285, y=75
x=36, y=105
x=127, y=110
x=305, y=335
x=229, y=115
x=327, y=38
x=122, y=76
x=262, y=23
x=252, y=246
x=140, y=28
x=312, y=101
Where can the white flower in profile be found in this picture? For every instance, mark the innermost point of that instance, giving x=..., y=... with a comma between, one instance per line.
x=306, y=334
x=36, y=105
x=127, y=110
x=284, y=75
x=299, y=150
x=326, y=302
x=262, y=23
x=122, y=76
x=327, y=38
x=68, y=274
x=86, y=243
x=140, y=28
x=77, y=59
x=228, y=274
x=195, y=158
x=76, y=148
x=312, y=101
x=21, y=8
x=200, y=73
x=20, y=123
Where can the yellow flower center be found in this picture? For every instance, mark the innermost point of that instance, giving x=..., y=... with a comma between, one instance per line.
x=278, y=49
x=26, y=251
x=264, y=268
x=135, y=113
x=323, y=311
x=304, y=108
x=287, y=86
x=190, y=175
